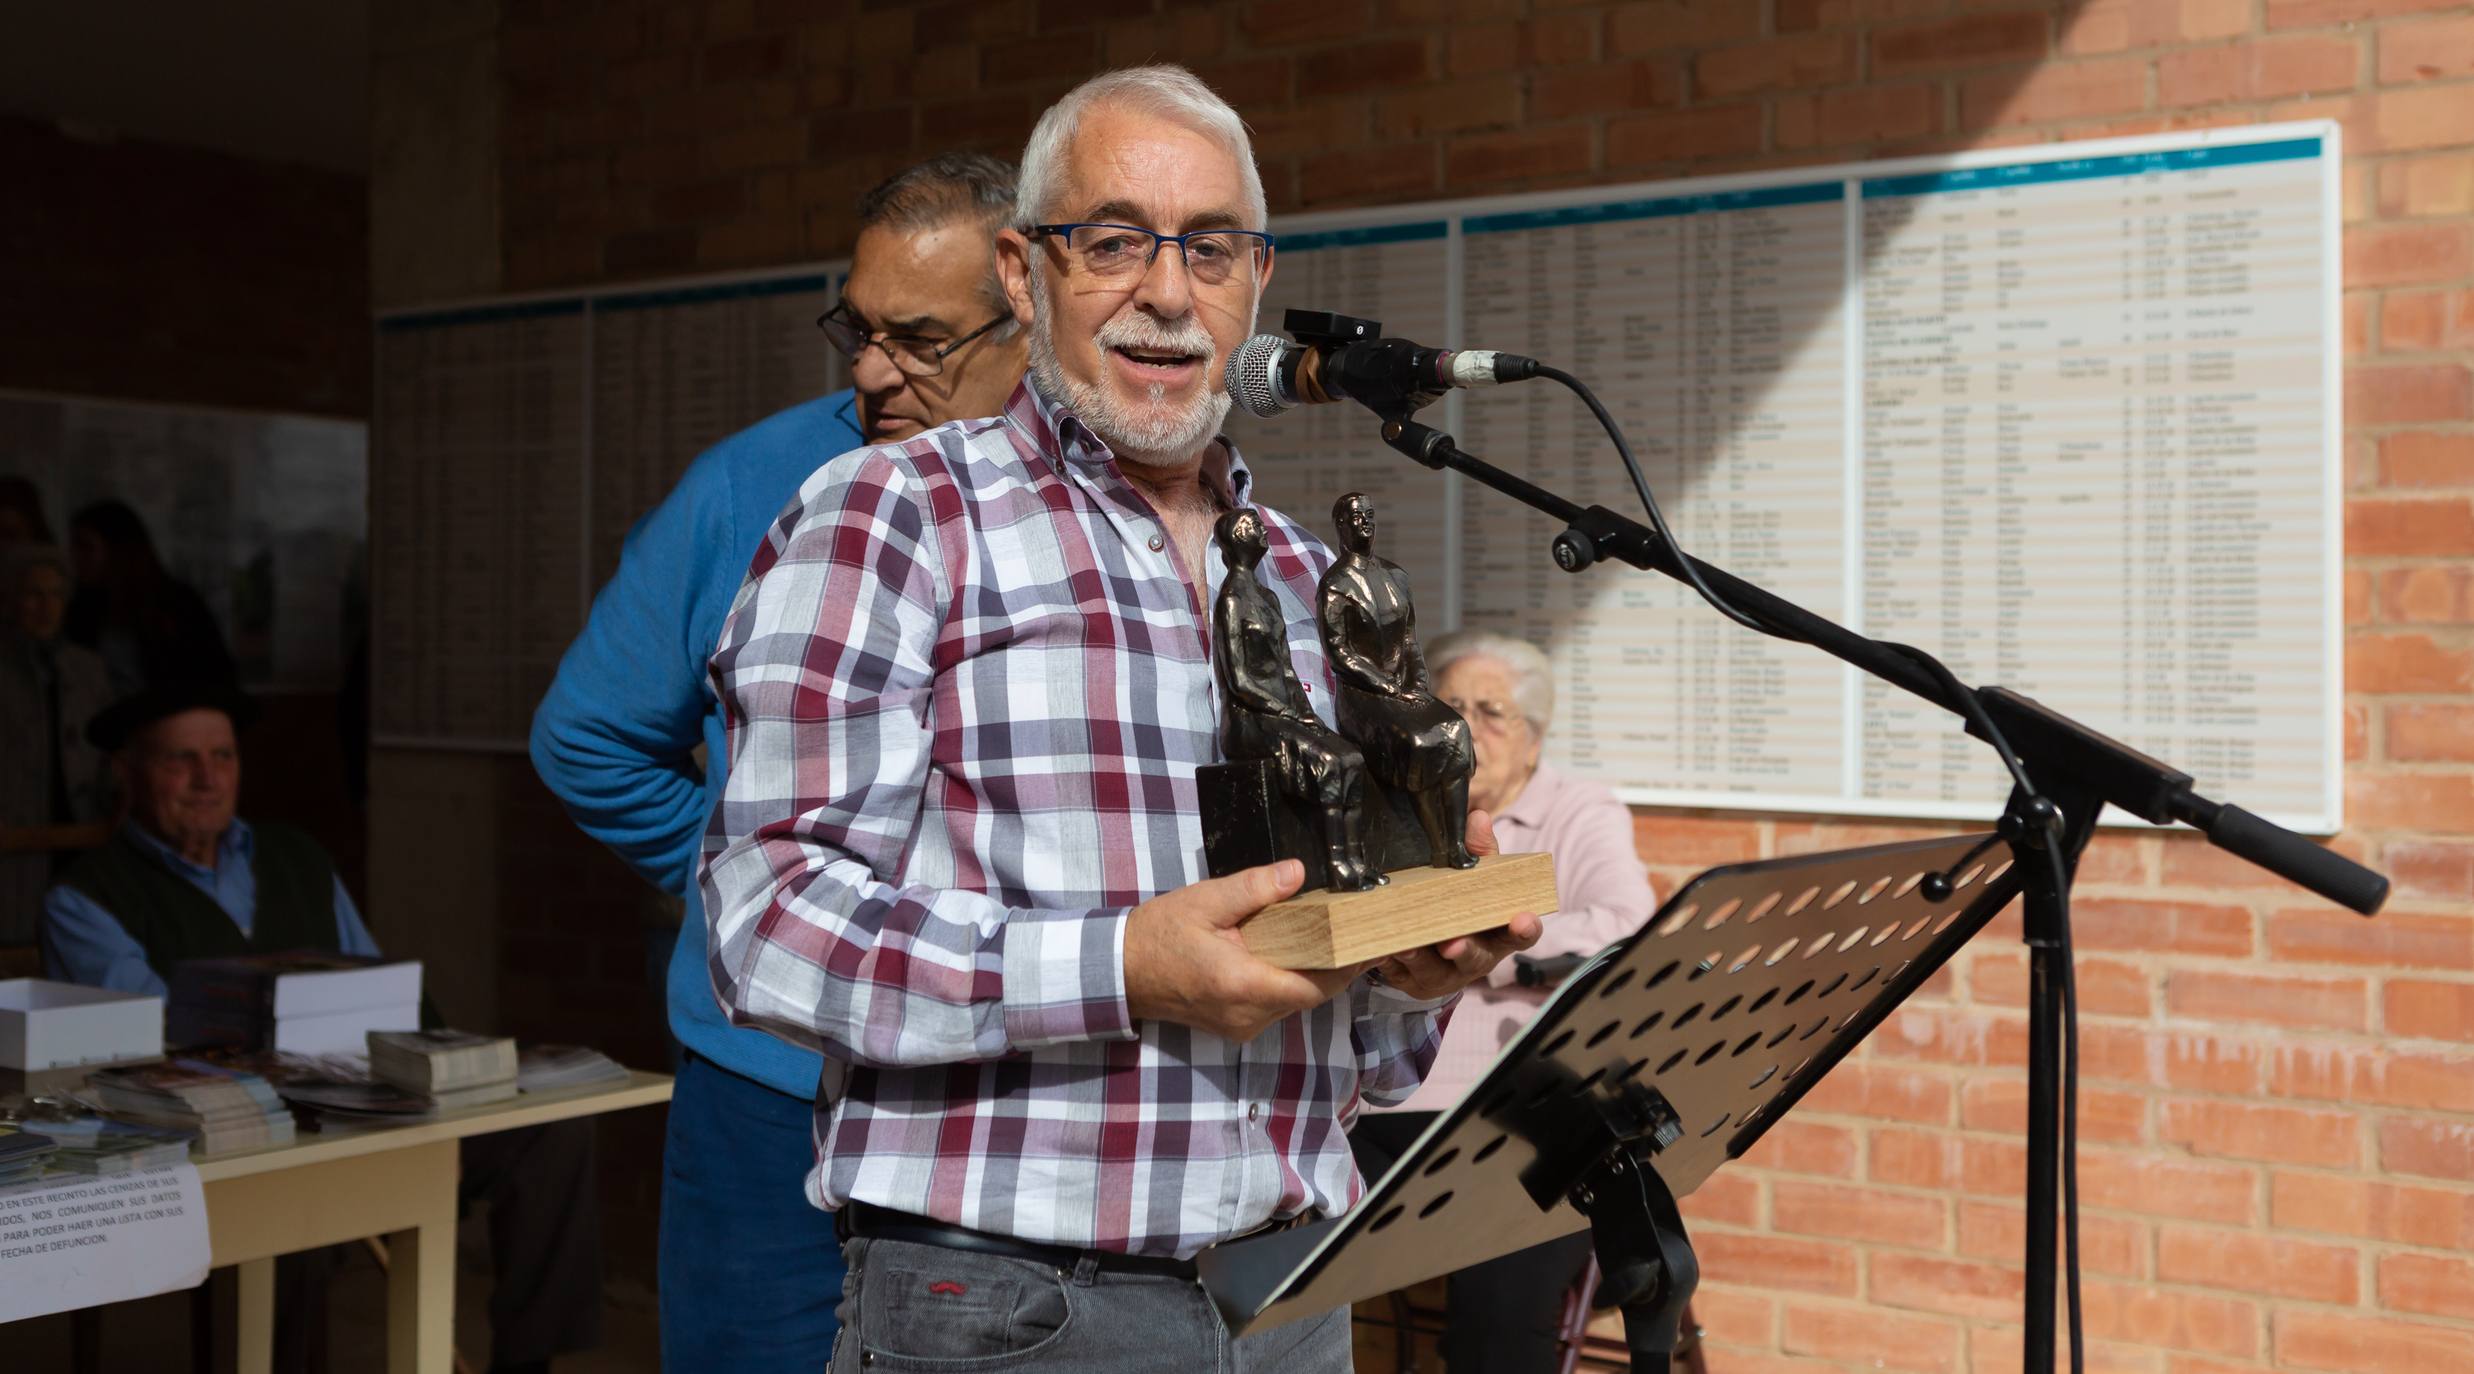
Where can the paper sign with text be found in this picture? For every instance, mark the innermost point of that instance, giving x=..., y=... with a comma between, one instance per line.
x=78, y=1241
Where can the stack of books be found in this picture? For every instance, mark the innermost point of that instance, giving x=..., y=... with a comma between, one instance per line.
x=453, y=1068
x=551, y=1068
x=99, y=1145
x=302, y=1002
x=23, y=1157
x=227, y=1108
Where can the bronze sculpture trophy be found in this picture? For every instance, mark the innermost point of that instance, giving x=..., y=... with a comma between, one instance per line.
x=1377, y=811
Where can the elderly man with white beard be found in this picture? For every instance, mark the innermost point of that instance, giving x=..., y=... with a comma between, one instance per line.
x=968, y=685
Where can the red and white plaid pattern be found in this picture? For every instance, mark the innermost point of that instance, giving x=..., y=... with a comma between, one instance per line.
x=967, y=690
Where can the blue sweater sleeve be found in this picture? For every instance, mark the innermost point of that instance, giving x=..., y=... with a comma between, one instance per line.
x=615, y=736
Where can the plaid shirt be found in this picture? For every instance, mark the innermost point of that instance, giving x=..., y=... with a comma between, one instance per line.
x=967, y=688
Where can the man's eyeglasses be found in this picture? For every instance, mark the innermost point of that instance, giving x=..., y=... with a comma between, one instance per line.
x=912, y=354
x=1494, y=715
x=1121, y=252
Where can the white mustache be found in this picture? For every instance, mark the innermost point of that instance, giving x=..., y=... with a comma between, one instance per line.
x=1139, y=331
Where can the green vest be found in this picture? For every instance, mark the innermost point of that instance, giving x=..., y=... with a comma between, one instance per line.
x=172, y=920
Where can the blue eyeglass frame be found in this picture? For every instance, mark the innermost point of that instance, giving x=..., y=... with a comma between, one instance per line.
x=1158, y=240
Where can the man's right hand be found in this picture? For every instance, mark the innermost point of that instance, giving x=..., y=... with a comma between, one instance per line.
x=1185, y=961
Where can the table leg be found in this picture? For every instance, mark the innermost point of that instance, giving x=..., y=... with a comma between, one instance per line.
x=256, y=1316
x=421, y=1298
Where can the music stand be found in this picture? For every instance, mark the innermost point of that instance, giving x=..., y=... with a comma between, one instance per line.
x=1665, y=1057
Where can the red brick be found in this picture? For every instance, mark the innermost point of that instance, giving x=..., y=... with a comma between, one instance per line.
x=1857, y=115
x=1799, y=16
x=2178, y=1321
x=2410, y=801
x=2408, y=1215
x=2115, y=856
x=2357, y=732
x=1952, y=1036
x=2430, y=868
x=2117, y=923
x=2429, y=184
x=2409, y=527
x=2055, y=91
x=2128, y=1181
x=1728, y=1198
x=1865, y=1214
x=2186, y=1060
x=1977, y=40
x=1394, y=173
x=2405, y=663
x=1711, y=131
x=2428, y=1146
x=1803, y=1147
x=2435, y=1285
x=1940, y=1160
x=2107, y=1244
x=1272, y=23
x=2299, y=14
x=2420, y=1009
x=2276, y=1135
x=1665, y=25
x=2419, y=393
x=1253, y=81
x=2368, y=1345
x=2433, y=594
x=1877, y=1340
x=2249, y=1262
x=1449, y=107
x=2265, y=69
x=2341, y=937
x=2415, y=459
x=1183, y=35
x=2117, y=1118
x=2188, y=860
x=1386, y=64
x=2114, y=25
x=1318, y=126
x=1730, y=1315
x=2421, y=321
x=1671, y=839
x=2419, y=117
x=1774, y=1262
x=1985, y=1292
x=2426, y=50
x=1548, y=151
x=2431, y=733
x=2407, y=254
x=1859, y=1088
x=2334, y=1003
x=1551, y=40
x=2381, y=1076
x=1798, y=63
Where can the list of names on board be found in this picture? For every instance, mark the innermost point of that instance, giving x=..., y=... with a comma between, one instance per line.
x=676, y=371
x=1710, y=327
x=477, y=503
x=2093, y=441
x=1308, y=458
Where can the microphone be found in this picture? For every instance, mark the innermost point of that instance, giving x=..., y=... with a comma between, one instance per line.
x=1268, y=374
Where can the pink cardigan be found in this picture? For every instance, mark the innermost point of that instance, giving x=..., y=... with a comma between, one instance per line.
x=1602, y=891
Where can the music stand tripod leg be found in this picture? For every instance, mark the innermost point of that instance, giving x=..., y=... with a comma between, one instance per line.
x=1645, y=1261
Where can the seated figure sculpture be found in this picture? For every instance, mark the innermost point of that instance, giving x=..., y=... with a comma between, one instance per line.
x=1387, y=707
x=1265, y=715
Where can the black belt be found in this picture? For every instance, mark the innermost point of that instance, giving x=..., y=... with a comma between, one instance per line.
x=870, y=1222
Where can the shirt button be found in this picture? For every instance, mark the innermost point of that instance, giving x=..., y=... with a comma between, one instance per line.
x=1157, y=543
x=1254, y=1111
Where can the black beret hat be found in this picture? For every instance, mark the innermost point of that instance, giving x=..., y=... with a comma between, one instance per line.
x=112, y=727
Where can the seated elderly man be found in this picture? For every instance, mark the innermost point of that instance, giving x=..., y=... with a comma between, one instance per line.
x=185, y=878
x=1503, y=1312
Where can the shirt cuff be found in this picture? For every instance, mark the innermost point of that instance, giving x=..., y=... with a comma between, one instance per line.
x=1065, y=977
x=1391, y=1001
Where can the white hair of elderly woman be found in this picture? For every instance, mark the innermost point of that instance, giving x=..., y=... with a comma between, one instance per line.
x=1533, y=679
x=1170, y=92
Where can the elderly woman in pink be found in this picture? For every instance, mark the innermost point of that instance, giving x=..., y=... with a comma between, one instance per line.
x=1503, y=1313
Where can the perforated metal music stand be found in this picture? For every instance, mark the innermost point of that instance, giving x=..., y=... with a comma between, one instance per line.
x=1665, y=1057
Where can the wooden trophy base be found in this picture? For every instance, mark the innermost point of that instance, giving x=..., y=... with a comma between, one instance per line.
x=1419, y=907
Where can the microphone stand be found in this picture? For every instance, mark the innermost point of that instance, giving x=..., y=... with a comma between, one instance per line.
x=2076, y=770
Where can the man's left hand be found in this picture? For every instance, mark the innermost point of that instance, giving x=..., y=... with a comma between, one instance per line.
x=1443, y=969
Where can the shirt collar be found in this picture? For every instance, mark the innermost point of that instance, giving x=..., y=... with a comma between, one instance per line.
x=1061, y=436
x=1537, y=797
x=238, y=845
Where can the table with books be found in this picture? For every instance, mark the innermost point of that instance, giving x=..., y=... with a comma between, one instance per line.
x=297, y=1152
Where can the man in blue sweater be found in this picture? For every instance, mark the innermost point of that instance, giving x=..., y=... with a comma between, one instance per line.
x=750, y=1270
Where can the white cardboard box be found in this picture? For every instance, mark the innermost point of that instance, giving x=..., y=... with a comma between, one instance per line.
x=47, y=1025
x=342, y=1032
x=328, y=991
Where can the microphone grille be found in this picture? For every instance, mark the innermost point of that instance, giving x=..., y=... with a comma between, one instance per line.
x=1253, y=376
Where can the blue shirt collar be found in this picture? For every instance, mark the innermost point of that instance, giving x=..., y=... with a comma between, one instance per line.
x=238, y=846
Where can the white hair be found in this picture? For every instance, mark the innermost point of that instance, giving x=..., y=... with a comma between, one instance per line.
x=1169, y=92
x=1533, y=678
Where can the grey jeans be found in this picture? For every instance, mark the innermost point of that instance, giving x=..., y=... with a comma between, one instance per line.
x=925, y=1308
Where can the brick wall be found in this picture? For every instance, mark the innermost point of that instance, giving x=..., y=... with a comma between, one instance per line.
x=2279, y=1098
